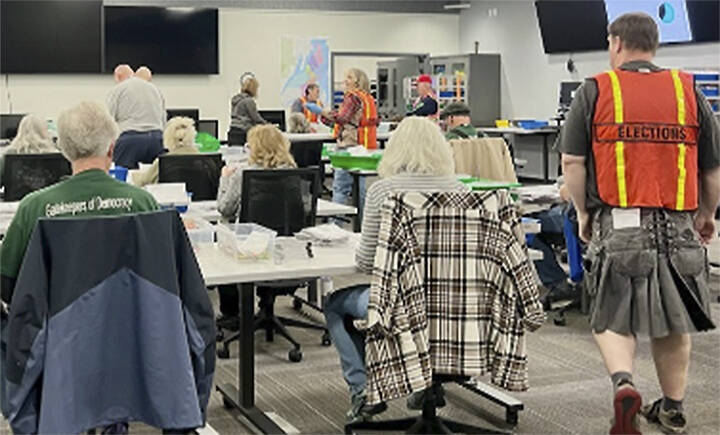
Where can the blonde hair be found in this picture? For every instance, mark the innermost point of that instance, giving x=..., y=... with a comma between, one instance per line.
x=32, y=137
x=269, y=148
x=86, y=130
x=179, y=132
x=250, y=86
x=297, y=123
x=418, y=147
x=361, y=79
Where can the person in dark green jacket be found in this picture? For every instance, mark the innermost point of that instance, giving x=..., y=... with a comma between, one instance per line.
x=457, y=121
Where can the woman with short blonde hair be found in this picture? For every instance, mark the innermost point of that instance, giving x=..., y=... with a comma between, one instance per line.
x=417, y=159
x=243, y=111
x=178, y=138
x=32, y=137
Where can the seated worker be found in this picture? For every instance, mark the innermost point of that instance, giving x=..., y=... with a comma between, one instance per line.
x=178, y=138
x=456, y=117
x=269, y=149
x=426, y=103
x=298, y=123
x=86, y=136
x=312, y=95
x=32, y=137
x=552, y=276
x=417, y=158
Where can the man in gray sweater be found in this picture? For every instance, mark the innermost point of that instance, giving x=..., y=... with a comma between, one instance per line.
x=139, y=109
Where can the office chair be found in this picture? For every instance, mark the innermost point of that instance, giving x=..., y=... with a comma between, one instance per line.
x=284, y=200
x=26, y=173
x=309, y=153
x=575, y=262
x=199, y=172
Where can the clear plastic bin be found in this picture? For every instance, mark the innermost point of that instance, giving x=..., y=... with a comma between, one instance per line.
x=230, y=237
x=199, y=230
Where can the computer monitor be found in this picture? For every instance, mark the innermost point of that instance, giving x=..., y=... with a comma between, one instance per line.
x=209, y=126
x=9, y=125
x=276, y=117
x=567, y=92
x=189, y=113
x=25, y=173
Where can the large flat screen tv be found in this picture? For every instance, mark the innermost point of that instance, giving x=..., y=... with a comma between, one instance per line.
x=572, y=26
x=50, y=36
x=167, y=40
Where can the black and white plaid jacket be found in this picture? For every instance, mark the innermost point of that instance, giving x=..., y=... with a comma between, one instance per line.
x=452, y=292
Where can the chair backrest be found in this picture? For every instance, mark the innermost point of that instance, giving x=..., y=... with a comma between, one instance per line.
x=199, y=172
x=276, y=117
x=484, y=158
x=307, y=153
x=284, y=200
x=25, y=173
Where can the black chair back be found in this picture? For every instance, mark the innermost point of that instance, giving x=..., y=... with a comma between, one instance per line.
x=307, y=153
x=199, y=172
x=26, y=173
x=275, y=117
x=284, y=200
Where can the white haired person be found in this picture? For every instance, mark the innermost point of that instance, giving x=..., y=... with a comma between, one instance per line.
x=298, y=123
x=419, y=159
x=139, y=109
x=32, y=137
x=178, y=138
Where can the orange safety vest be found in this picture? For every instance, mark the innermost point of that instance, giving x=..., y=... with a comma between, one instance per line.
x=367, y=130
x=644, y=141
x=311, y=117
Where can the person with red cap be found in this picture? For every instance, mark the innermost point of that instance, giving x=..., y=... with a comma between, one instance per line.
x=426, y=103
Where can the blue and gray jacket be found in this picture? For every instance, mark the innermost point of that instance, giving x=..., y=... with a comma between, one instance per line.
x=110, y=321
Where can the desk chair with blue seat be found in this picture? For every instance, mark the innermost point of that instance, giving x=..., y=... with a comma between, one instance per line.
x=284, y=200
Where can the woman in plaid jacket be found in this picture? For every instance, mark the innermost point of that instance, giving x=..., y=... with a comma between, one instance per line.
x=417, y=159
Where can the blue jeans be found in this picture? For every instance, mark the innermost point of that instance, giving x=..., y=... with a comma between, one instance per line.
x=548, y=269
x=137, y=146
x=342, y=187
x=350, y=344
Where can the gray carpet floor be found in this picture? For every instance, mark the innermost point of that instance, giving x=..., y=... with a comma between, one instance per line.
x=570, y=392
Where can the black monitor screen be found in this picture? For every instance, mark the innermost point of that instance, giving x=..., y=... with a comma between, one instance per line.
x=209, y=126
x=704, y=20
x=567, y=92
x=572, y=26
x=275, y=117
x=46, y=36
x=194, y=114
x=9, y=125
x=167, y=40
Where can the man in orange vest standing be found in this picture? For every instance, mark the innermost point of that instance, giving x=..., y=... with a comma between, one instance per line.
x=641, y=158
x=309, y=104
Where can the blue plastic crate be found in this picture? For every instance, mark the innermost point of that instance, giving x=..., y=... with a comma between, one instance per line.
x=119, y=173
x=707, y=76
x=532, y=125
x=709, y=91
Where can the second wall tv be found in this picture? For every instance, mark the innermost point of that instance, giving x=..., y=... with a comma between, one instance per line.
x=167, y=40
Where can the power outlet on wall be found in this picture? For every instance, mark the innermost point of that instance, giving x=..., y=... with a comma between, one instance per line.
x=492, y=12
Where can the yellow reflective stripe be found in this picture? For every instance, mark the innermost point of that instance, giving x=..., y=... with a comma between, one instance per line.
x=619, y=146
x=682, y=149
x=682, y=176
x=620, y=168
x=617, y=97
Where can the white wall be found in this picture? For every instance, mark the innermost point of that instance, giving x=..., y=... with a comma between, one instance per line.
x=249, y=41
x=530, y=77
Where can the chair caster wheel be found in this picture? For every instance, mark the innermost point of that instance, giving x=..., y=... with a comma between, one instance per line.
x=227, y=404
x=295, y=355
x=223, y=353
x=559, y=322
x=297, y=305
x=326, y=339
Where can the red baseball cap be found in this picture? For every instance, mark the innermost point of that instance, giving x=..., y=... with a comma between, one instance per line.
x=424, y=78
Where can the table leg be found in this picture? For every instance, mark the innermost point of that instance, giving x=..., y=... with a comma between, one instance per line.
x=357, y=222
x=546, y=159
x=244, y=399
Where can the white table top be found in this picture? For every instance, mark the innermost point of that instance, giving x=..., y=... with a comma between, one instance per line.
x=208, y=209
x=328, y=137
x=219, y=268
x=518, y=130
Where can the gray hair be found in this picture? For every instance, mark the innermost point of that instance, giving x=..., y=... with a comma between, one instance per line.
x=179, y=132
x=86, y=130
x=297, y=123
x=32, y=137
x=417, y=147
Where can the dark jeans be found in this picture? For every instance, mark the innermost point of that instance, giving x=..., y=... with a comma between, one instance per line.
x=236, y=136
x=229, y=300
x=133, y=147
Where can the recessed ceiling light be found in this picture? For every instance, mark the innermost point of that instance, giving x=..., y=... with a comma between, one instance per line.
x=457, y=6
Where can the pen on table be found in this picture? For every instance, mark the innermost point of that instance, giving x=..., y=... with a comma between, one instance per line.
x=308, y=249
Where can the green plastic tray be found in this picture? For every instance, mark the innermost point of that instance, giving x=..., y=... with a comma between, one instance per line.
x=485, y=184
x=343, y=160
